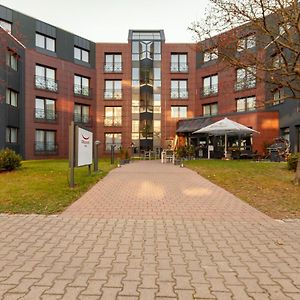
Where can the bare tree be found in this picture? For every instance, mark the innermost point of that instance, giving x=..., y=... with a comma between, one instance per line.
x=272, y=26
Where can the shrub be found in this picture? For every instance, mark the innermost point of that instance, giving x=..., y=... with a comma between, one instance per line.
x=292, y=161
x=9, y=160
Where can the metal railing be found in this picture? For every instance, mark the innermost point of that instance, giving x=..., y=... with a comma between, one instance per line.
x=82, y=119
x=179, y=67
x=245, y=85
x=113, y=121
x=45, y=83
x=45, y=115
x=113, y=67
x=113, y=94
x=46, y=147
x=211, y=90
x=179, y=94
x=80, y=90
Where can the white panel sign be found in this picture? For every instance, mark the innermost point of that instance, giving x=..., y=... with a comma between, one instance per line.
x=84, y=147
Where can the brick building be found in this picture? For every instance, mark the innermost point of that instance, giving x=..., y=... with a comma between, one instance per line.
x=130, y=94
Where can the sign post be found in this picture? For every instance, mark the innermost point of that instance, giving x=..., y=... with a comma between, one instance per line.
x=71, y=154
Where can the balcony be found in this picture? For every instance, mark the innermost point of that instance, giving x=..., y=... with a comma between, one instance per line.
x=179, y=94
x=83, y=91
x=113, y=68
x=209, y=91
x=113, y=94
x=82, y=119
x=45, y=115
x=245, y=85
x=113, y=121
x=45, y=83
x=45, y=148
x=179, y=68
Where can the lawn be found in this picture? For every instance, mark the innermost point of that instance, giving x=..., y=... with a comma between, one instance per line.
x=41, y=186
x=266, y=186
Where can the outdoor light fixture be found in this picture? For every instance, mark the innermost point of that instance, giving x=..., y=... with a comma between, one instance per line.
x=96, y=144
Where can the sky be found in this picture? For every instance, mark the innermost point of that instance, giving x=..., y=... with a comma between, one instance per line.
x=110, y=20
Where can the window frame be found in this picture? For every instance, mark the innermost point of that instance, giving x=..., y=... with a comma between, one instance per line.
x=45, y=148
x=44, y=81
x=7, y=25
x=113, y=93
x=9, y=95
x=116, y=120
x=8, y=137
x=179, y=92
x=81, y=51
x=81, y=89
x=45, y=110
x=113, y=66
x=176, y=65
x=117, y=149
x=246, y=104
x=83, y=118
x=210, y=55
x=177, y=109
x=12, y=59
x=210, y=105
x=244, y=43
x=47, y=40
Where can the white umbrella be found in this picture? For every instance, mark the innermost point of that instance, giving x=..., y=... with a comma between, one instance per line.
x=223, y=127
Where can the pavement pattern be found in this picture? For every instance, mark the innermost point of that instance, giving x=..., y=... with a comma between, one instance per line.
x=150, y=231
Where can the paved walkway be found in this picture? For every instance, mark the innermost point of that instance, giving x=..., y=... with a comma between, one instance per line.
x=150, y=231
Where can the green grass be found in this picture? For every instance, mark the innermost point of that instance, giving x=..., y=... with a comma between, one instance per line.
x=266, y=186
x=42, y=186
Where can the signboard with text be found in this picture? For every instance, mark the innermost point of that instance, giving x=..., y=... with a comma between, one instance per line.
x=84, y=147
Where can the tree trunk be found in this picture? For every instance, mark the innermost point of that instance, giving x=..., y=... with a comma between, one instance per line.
x=297, y=175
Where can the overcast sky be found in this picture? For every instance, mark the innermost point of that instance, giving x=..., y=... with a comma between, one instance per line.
x=110, y=20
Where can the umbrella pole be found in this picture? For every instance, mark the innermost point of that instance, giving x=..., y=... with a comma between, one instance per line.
x=225, y=152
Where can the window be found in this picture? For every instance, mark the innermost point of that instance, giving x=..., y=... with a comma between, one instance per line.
x=113, y=89
x=179, y=89
x=285, y=133
x=45, y=42
x=45, y=141
x=45, y=109
x=12, y=59
x=81, y=85
x=278, y=61
x=113, y=116
x=81, y=54
x=210, y=54
x=247, y=42
x=113, y=62
x=178, y=111
x=113, y=139
x=246, y=104
x=278, y=96
x=210, y=85
x=11, y=135
x=5, y=25
x=210, y=109
x=245, y=78
x=81, y=113
x=11, y=97
x=179, y=62
x=45, y=78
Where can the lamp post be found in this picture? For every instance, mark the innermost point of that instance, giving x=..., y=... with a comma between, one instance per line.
x=96, y=144
x=112, y=154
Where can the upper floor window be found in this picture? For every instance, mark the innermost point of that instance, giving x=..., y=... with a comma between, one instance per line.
x=45, y=78
x=246, y=42
x=81, y=54
x=210, y=109
x=113, y=62
x=179, y=62
x=113, y=116
x=246, y=104
x=179, y=89
x=178, y=111
x=5, y=25
x=245, y=78
x=210, y=54
x=11, y=135
x=12, y=59
x=81, y=113
x=11, y=97
x=278, y=96
x=45, y=42
x=45, y=109
x=81, y=85
x=210, y=85
x=113, y=89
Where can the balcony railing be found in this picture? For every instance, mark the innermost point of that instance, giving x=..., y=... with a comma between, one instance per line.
x=179, y=67
x=45, y=83
x=179, y=94
x=113, y=67
x=113, y=94
x=113, y=121
x=82, y=119
x=45, y=148
x=208, y=91
x=84, y=91
x=45, y=115
x=245, y=85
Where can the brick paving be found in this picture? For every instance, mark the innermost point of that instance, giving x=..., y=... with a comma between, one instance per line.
x=160, y=232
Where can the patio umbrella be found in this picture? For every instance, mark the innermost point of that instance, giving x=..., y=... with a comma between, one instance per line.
x=225, y=127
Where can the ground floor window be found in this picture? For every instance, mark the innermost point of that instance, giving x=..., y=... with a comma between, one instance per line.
x=210, y=109
x=113, y=139
x=45, y=141
x=178, y=111
x=11, y=135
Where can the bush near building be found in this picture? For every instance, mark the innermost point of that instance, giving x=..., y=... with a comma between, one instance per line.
x=9, y=160
x=292, y=161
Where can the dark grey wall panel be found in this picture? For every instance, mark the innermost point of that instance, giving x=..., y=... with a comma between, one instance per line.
x=5, y=13
x=45, y=28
